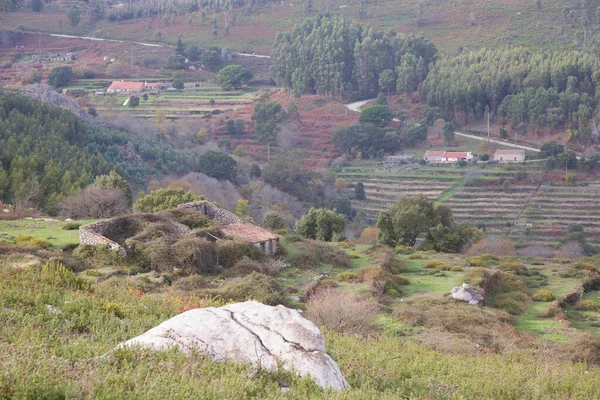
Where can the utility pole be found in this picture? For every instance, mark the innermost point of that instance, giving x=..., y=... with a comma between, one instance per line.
x=132, y=57
x=488, y=127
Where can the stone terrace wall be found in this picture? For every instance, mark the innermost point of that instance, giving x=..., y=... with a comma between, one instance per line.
x=213, y=212
x=93, y=234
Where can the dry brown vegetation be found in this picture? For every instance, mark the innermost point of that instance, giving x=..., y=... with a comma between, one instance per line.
x=343, y=312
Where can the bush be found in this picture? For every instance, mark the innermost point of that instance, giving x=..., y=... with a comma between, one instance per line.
x=456, y=268
x=551, y=311
x=71, y=226
x=587, y=305
x=404, y=250
x=347, y=277
x=315, y=287
x=309, y=254
x=342, y=312
x=190, y=218
x=543, y=295
x=30, y=241
x=415, y=256
x=195, y=255
x=436, y=264
x=255, y=286
x=231, y=251
x=586, y=267
x=246, y=266
x=99, y=256
x=382, y=281
x=510, y=266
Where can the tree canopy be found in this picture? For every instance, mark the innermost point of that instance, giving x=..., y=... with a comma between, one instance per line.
x=378, y=115
x=60, y=76
x=368, y=139
x=327, y=56
x=233, y=77
x=267, y=117
x=321, y=224
x=411, y=217
x=218, y=165
x=164, y=199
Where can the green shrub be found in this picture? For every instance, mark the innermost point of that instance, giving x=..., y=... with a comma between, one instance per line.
x=456, y=268
x=113, y=308
x=390, y=262
x=586, y=305
x=331, y=254
x=347, y=276
x=354, y=256
x=510, y=266
x=433, y=264
x=255, y=286
x=404, y=250
x=190, y=218
x=415, y=256
x=57, y=274
x=232, y=251
x=93, y=272
x=71, y=226
x=30, y=241
x=543, y=295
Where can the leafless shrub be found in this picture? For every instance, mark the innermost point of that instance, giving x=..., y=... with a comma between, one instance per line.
x=95, y=203
x=343, y=312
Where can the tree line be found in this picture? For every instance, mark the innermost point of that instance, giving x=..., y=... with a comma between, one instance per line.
x=325, y=55
x=556, y=89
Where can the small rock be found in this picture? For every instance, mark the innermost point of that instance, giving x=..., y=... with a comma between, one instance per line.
x=295, y=298
x=468, y=294
x=53, y=309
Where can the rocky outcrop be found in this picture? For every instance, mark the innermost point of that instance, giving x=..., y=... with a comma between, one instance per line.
x=48, y=95
x=250, y=332
x=468, y=294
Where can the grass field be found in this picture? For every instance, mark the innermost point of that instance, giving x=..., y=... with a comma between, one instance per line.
x=48, y=230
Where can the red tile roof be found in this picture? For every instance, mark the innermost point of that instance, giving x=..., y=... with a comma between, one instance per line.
x=455, y=154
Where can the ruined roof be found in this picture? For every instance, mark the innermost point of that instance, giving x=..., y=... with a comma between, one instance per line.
x=124, y=85
x=456, y=154
x=434, y=153
x=233, y=225
x=247, y=232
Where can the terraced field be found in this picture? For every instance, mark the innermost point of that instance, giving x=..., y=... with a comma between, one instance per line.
x=192, y=102
x=526, y=211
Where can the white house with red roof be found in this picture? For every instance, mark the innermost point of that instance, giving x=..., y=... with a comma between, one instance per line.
x=443, y=156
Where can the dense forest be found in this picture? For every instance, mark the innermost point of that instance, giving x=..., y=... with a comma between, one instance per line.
x=327, y=56
x=47, y=153
x=521, y=86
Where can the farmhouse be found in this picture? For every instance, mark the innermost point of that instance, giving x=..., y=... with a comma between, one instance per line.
x=237, y=228
x=509, y=156
x=125, y=87
x=434, y=156
x=447, y=156
x=455, y=156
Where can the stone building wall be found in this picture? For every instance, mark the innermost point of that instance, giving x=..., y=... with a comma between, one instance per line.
x=93, y=234
x=213, y=212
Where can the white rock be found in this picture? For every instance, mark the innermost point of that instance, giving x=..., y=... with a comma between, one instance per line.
x=250, y=332
x=469, y=294
x=53, y=309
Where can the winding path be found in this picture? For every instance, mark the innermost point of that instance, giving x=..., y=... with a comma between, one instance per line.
x=358, y=104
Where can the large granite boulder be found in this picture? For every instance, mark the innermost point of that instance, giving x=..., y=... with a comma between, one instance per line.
x=250, y=332
x=469, y=294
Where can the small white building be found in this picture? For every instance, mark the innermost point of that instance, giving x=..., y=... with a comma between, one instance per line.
x=509, y=156
x=455, y=156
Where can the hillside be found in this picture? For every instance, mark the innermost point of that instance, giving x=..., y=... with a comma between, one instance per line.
x=52, y=341
x=449, y=24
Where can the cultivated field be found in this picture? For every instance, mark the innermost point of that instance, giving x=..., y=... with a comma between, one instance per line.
x=524, y=210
